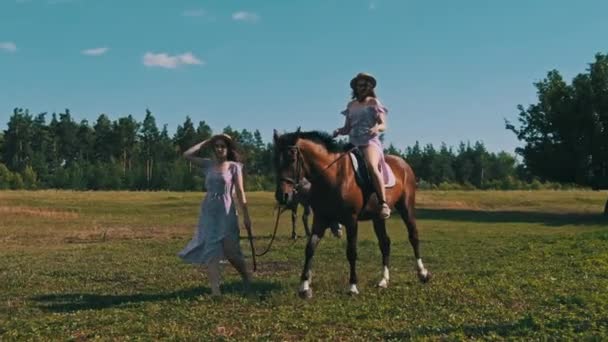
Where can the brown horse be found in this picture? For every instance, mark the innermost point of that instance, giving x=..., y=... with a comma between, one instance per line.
x=335, y=195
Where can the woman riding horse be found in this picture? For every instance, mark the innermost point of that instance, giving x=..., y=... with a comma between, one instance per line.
x=365, y=120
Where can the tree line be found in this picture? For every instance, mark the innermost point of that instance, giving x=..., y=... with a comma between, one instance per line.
x=124, y=154
x=565, y=138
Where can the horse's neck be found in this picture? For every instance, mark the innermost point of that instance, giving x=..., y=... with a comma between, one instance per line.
x=321, y=165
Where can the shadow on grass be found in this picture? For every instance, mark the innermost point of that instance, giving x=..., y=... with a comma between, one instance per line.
x=521, y=328
x=549, y=219
x=70, y=302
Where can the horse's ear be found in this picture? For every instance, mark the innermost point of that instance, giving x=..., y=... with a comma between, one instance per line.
x=275, y=135
x=298, y=130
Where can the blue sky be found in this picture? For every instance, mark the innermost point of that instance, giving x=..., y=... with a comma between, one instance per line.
x=448, y=71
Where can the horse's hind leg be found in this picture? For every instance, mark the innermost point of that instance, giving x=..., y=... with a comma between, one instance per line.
x=406, y=210
x=385, y=247
x=318, y=228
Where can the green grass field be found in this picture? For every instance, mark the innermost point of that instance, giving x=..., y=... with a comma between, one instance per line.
x=103, y=265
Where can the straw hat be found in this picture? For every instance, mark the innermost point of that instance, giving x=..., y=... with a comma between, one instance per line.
x=225, y=137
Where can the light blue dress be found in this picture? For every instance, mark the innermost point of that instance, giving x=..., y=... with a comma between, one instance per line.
x=218, y=218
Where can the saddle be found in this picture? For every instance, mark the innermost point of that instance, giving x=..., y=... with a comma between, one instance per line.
x=363, y=176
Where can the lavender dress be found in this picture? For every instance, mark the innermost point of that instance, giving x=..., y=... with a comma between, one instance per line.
x=361, y=120
x=218, y=218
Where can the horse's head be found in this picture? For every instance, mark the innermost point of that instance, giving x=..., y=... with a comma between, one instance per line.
x=288, y=167
x=301, y=159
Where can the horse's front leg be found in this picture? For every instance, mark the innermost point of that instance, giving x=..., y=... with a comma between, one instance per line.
x=318, y=228
x=294, y=217
x=351, y=254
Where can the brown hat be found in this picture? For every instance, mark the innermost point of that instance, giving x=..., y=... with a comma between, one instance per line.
x=365, y=76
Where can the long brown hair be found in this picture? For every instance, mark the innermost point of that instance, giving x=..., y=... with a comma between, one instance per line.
x=232, y=154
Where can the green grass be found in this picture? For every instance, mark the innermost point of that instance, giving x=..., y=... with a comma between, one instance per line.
x=103, y=265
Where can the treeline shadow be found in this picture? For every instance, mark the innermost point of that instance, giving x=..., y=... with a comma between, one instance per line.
x=70, y=302
x=508, y=216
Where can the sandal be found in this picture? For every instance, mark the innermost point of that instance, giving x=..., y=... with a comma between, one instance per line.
x=385, y=212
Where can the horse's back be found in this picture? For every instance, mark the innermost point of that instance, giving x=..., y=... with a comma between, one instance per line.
x=402, y=170
x=405, y=178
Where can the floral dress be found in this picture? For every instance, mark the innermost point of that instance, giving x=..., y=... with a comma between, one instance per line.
x=218, y=218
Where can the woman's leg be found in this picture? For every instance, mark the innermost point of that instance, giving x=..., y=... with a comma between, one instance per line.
x=213, y=272
x=233, y=254
x=373, y=161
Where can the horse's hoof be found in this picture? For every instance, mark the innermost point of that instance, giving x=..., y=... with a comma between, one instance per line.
x=383, y=284
x=294, y=236
x=305, y=294
x=352, y=290
x=424, y=277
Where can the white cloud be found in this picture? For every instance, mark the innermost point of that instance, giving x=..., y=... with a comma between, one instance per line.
x=95, y=51
x=164, y=60
x=245, y=16
x=8, y=46
x=194, y=12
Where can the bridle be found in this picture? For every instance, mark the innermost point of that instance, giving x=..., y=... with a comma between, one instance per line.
x=297, y=182
x=299, y=165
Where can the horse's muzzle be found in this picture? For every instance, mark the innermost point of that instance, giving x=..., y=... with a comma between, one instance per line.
x=284, y=197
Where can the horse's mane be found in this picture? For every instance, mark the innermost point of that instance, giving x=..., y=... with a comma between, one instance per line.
x=322, y=138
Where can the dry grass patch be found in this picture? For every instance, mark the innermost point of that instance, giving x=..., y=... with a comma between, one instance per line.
x=38, y=212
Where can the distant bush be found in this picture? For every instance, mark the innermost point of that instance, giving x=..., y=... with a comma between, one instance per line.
x=5, y=177
x=507, y=183
x=16, y=182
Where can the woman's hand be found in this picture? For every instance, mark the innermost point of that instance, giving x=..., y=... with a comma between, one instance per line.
x=189, y=154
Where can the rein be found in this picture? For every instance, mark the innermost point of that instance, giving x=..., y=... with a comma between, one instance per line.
x=274, y=233
x=296, y=183
x=299, y=161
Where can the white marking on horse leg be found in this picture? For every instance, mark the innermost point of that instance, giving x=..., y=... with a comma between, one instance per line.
x=352, y=289
x=315, y=239
x=423, y=272
x=305, y=286
x=385, y=278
